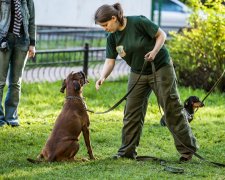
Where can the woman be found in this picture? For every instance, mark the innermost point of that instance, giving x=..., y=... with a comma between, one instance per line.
x=17, y=43
x=136, y=39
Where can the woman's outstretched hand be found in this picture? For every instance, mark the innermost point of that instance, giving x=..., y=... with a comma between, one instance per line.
x=99, y=83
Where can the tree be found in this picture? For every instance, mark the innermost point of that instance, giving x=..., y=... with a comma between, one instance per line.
x=199, y=50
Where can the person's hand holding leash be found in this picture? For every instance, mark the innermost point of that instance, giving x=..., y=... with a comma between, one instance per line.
x=150, y=56
x=160, y=39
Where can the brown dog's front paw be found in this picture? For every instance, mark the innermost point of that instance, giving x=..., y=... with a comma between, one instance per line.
x=93, y=158
x=84, y=159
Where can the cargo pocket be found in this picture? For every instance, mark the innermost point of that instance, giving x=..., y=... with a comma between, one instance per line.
x=174, y=94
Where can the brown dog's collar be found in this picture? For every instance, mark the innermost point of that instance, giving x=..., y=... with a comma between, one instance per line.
x=77, y=97
x=74, y=97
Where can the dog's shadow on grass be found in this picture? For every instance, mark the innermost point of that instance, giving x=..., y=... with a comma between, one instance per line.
x=90, y=168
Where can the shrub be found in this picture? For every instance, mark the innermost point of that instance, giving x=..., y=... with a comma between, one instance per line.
x=198, y=51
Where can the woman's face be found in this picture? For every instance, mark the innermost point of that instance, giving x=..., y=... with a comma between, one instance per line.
x=111, y=25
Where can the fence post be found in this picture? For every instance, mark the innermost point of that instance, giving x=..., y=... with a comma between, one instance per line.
x=86, y=52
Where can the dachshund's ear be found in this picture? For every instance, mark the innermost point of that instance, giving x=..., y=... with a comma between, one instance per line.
x=76, y=85
x=63, y=86
x=186, y=102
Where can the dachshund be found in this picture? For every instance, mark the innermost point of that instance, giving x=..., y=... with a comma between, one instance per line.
x=190, y=104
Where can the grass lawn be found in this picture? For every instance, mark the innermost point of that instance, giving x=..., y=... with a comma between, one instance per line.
x=41, y=103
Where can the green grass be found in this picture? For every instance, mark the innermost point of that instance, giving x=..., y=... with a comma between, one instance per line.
x=41, y=103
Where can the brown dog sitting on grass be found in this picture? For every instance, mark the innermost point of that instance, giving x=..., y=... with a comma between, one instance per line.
x=62, y=144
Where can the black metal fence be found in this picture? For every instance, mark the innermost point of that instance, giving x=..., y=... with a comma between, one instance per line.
x=62, y=50
x=63, y=38
x=52, y=65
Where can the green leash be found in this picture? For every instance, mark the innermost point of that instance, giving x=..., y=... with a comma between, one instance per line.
x=162, y=162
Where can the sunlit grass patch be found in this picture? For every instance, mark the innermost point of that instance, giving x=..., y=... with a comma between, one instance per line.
x=42, y=102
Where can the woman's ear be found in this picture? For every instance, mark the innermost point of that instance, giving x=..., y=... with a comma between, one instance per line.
x=63, y=86
x=114, y=18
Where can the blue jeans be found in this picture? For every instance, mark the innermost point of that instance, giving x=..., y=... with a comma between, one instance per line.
x=12, y=63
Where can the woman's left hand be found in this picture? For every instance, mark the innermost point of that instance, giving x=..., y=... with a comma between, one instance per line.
x=150, y=56
x=31, y=51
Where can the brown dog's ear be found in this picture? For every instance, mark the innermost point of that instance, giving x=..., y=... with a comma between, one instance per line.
x=85, y=81
x=76, y=85
x=63, y=86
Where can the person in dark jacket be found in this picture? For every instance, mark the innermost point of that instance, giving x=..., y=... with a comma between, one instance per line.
x=17, y=44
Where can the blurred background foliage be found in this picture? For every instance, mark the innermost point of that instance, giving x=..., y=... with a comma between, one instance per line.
x=198, y=51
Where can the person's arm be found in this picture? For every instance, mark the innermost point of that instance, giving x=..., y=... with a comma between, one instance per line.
x=31, y=28
x=160, y=40
x=107, y=69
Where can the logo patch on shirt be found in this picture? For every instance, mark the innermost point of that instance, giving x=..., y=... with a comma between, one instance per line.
x=120, y=51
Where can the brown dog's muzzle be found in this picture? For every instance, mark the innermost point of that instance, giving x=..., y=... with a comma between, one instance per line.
x=79, y=79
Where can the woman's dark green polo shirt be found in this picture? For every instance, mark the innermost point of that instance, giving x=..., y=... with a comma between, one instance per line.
x=136, y=40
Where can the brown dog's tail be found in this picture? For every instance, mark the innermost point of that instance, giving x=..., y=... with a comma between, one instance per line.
x=34, y=161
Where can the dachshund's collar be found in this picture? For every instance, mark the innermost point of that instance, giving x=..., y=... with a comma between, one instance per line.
x=188, y=115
